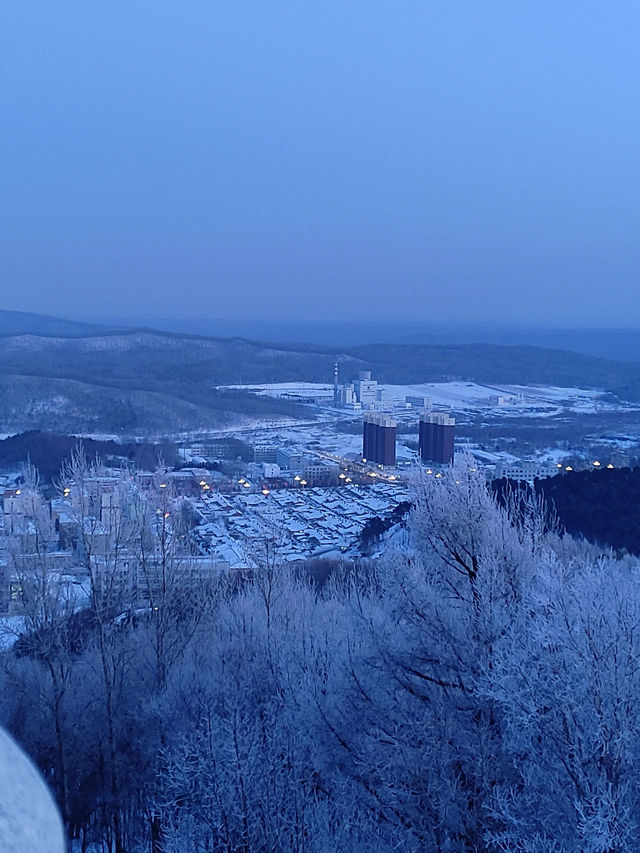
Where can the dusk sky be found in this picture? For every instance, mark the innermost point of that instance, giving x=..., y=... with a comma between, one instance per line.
x=377, y=160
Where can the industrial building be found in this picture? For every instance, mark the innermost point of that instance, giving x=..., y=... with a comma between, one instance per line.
x=379, y=439
x=435, y=442
x=366, y=388
x=418, y=402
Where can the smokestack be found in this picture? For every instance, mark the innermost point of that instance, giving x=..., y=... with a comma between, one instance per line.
x=336, y=394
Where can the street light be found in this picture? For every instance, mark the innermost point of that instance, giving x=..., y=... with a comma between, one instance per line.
x=609, y=465
x=596, y=464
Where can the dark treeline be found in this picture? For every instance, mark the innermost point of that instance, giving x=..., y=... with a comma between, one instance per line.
x=473, y=690
x=48, y=451
x=603, y=506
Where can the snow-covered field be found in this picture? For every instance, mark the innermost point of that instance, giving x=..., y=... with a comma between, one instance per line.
x=471, y=396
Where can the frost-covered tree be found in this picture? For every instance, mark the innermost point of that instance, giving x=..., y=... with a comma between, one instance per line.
x=473, y=690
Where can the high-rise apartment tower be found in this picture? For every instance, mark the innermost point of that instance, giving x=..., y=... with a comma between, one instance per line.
x=379, y=439
x=436, y=438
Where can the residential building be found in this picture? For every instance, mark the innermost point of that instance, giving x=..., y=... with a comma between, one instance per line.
x=379, y=439
x=435, y=438
x=288, y=459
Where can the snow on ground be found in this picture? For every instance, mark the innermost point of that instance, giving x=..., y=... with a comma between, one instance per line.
x=471, y=395
x=276, y=389
x=458, y=395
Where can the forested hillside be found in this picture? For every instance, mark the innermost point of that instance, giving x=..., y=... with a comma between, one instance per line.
x=142, y=382
x=603, y=506
x=48, y=452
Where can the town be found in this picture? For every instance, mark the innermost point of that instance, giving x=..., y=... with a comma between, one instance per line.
x=305, y=491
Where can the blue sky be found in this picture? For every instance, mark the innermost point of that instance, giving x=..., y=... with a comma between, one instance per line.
x=381, y=160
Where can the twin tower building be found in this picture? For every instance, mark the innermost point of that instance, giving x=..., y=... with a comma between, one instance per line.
x=435, y=438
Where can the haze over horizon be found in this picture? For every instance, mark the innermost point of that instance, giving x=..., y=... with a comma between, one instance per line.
x=383, y=163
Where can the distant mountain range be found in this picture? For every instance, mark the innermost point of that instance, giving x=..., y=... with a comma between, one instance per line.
x=620, y=344
x=22, y=322
x=143, y=381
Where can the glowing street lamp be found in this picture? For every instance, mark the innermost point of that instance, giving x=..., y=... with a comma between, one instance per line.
x=596, y=464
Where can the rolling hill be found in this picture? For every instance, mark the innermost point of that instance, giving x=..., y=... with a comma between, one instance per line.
x=144, y=381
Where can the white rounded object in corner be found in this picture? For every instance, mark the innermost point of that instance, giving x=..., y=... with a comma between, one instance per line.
x=29, y=819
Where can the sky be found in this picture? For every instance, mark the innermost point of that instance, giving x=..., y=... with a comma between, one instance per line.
x=346, y=159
